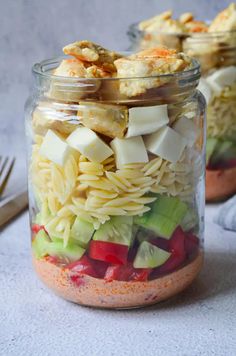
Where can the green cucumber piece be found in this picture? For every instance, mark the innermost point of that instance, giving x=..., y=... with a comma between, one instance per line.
x=117, y=230
x=71, y=252
x=210, y=147
x=150, y=256
x=40, y=244
x=161, y=225
x=170, y=207
x=44, y=216
x=165, y=215
x=82, y=231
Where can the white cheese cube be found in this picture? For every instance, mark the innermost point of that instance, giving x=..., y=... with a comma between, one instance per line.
x=129, y=150
x=145, y=120
x=221, y=78
x=205, y=89
x=186, y=128
x=166, y=143
x=54, y=148
x=89, y=144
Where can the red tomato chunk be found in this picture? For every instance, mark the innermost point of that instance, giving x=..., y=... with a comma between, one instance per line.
x=108, y=252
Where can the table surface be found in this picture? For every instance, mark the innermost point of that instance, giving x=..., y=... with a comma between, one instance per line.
x=200, y=321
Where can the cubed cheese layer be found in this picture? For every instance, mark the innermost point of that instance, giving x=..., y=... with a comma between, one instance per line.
x=186, y=128
x=129, y=150
x=146, y=119
x=89, y=144
x=54, y=148
x=166, y=143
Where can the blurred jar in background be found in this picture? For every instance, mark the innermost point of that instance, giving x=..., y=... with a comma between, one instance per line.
x=214, y=45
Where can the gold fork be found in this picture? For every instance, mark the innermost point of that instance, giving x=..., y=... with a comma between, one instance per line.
x=6, y=167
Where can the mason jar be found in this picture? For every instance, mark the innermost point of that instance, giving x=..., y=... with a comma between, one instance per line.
x=116, y=185
x=216, y=52
x=217, y=55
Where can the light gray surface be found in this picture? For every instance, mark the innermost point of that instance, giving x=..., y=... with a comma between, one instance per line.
x=34, y=30
x=200, y=321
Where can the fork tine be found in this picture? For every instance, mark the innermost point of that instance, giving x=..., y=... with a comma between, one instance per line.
x=5, y=174
x=3, y=165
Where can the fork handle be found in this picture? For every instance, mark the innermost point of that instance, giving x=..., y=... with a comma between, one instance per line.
x=12, y=207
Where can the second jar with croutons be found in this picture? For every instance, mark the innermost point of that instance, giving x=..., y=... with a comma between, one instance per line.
x=217, y=55
x=116, y=173
x=213, y=43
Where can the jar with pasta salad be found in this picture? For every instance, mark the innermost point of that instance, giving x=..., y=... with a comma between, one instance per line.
x=217, y=55
x=213, y=44
x=116, y=174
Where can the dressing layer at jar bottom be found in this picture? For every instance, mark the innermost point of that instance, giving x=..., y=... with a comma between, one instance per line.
x=116, y=294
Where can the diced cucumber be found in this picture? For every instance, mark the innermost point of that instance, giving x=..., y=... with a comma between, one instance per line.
x=72, y=252
x=40, y=244
x=166, y=214
x=82, y=231
x=150, y=256
x=170, y=207
x=117, y=230
x=44, y=216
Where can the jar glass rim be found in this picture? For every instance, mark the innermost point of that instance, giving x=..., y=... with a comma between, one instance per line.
x=44, y=68
x=133, y=28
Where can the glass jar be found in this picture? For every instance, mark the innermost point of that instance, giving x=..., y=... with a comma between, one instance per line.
x=117, y=217
x=216, y=53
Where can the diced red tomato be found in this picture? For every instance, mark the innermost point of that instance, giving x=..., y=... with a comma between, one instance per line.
x=82, y=266
x=77, y=279
x=87, y=266
x=191, y=244
x=36, y=228
x=126, y=273
x=177, y=249
x=108, y=252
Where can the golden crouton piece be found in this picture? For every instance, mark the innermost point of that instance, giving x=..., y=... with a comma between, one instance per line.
x=148, y=63
x=192, y=25
x=73, y=68
x=156, y=19
x=186, y=17
x=109, y=120
x=90, y=52
x=46, y=116
x=195, y=26
x=76, y=68
x=225, y=20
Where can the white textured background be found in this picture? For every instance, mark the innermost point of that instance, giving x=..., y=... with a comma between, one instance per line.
x=32, y=30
